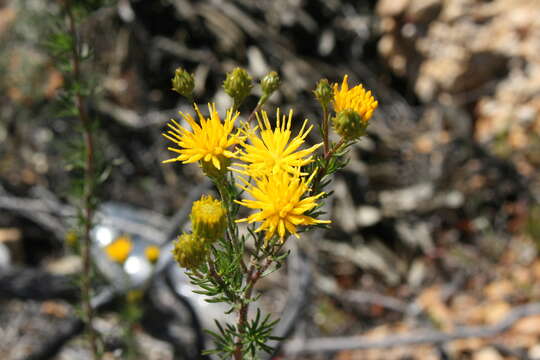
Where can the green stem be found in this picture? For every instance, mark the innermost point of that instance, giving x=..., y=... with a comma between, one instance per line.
x=88, y=187
x=222, y=186
x=325, y=129
x=217, y=278
x=257, y=108
x=254, y=274
x=321, y=172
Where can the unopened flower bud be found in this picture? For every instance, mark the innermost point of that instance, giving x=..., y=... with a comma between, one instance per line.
x=189, y=251
x=350, y=125
x=238, y=85
x=183, y=83
x=208, y=218
x=270, y=83
x=323, y=92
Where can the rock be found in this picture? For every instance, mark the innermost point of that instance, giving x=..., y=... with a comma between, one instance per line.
x=534, y=352
x=67, y=265
x=5, y=257
x=487, y=353
x=257, y=64
x=391, y=7
x=11, y=246
x=424, y=10
x=415, y=235
x=499, y=290
x=405, y=199
x=367, y=216
x=344, y=210
x=431, y=301
x=7, y=16
x=496, y=312
x=417, y=273
x=529, y=325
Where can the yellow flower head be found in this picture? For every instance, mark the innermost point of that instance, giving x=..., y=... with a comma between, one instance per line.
x=152, y=253
x=118, y=251
x=209, y=142
x=209, y=218
x=279, y=199
x=272, y=150
x=356, y=99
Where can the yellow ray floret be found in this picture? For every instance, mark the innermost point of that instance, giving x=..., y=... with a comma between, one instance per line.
x=209, y=141
x=271, y=150
x=279, y=199
x=357, y=99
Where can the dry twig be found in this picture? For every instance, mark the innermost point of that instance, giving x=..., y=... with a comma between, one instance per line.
x=330, y=344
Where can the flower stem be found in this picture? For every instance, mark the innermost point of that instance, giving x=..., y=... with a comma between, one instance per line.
x=257, y=108
x=89, y=176
x=254, y=274
x=325, y=129
x=321, y=172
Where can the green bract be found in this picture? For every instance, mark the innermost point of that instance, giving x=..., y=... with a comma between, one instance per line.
x=349, y=125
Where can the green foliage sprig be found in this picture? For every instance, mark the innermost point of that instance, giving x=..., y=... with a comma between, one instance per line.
x=88, y=171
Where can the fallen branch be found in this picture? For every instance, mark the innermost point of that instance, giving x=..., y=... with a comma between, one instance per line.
x=317, y=345
x=36, y=284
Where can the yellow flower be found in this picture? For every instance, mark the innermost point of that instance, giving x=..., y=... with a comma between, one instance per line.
x=272, y=150
x=208, y=142
x=118, y=251
x=152, y=253
x=208, y=217
x=282, y=208
x=357, y=99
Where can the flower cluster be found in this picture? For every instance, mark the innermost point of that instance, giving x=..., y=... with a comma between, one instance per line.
x=282, y=178
x=268, y=154
x=269, y=157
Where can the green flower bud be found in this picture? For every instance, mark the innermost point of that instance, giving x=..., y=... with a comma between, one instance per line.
x=270, y=83
x=350, y=125
x=183, y=83
x=323, y=92
x=238, y=85
x=189, y=251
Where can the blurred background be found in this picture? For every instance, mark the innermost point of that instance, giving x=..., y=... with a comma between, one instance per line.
x=436, y=223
